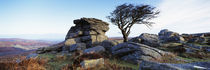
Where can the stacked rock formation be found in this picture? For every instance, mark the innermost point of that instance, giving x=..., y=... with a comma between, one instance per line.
x=88, y=31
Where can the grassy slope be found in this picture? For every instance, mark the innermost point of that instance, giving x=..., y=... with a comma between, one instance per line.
x=56, y=62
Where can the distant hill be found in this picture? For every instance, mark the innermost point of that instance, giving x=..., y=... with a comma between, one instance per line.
x=12, y=42
x=48, y=37
x=10, y=50
x=10, y=46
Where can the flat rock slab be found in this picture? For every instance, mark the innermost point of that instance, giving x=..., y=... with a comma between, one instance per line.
x=97, y=49
x=135, y=52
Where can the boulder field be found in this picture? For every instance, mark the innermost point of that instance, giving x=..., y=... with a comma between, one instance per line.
x=88, y=37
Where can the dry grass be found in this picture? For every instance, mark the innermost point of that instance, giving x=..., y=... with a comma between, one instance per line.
x=198, y=55
x=170, y=58
x=109, y=64
x=27, y=64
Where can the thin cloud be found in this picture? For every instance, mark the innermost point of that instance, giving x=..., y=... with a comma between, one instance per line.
x=188, y=16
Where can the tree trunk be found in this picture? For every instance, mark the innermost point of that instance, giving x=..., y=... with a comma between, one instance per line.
x=125, y=36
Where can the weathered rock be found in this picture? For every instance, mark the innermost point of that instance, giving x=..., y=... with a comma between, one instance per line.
x=150, y=39
x=92, y=63
x=197, y=40
x=193, y=66
x=208, y=42
x=194, y=46
x=189, y=50
x=147, y=65
x=97, y=49
x=77, y=47
x=57, y=47
x=147, y=39
x=87, y=30
x=169, y=36
x=100, y=38
x=70, y=42
x=135, y=40
x=94, y=23
x=108, y=44
x=206, y=49
x=135, y=52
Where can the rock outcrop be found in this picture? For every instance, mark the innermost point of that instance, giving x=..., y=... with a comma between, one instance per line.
x=53, y=49
x=150, y=39
x=166, y=36
x=147, y=39
x=194, y=38
x=135, y=52
x=88, y=31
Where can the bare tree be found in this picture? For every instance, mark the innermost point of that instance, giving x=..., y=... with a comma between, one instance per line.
x=126, y=15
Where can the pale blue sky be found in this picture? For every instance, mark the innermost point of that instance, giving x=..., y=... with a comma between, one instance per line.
x=19, y=17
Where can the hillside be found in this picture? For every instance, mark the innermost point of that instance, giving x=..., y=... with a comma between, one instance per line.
x=10, y=50
x=24, y=43
x=12, y=46
x=8, y=42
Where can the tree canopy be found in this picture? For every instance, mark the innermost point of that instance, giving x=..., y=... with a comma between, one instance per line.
x=126, y=15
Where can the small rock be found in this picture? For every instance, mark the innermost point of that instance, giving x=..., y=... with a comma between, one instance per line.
x=92, y=63
x=34, y=55
x=18, y=61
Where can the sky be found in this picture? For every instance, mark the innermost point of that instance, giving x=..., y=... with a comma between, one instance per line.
x=37, y=19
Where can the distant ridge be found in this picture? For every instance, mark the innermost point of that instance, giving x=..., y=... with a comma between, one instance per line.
x=10, y=42
x=12, y=46
x=48, y=37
